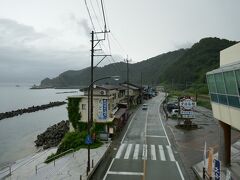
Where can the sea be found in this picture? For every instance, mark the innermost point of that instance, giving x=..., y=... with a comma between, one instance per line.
x=17, y=134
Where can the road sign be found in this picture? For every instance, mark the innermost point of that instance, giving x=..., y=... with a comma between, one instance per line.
x=217, y=169
x=186, y=107
x=88, y=140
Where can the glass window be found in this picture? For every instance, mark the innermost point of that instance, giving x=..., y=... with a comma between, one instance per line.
x=220, y=83
x=237, y=72
x=83, y=106
x=233, y=101
x=222, y=99
x=211, y=83
x=214, y=98
x=230, y=83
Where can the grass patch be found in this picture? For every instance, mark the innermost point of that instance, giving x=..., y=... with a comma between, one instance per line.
x=72, y=140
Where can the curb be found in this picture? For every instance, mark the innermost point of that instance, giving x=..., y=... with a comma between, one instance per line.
x=100, y=160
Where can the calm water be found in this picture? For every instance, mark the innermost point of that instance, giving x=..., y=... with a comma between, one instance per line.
x=17, y=134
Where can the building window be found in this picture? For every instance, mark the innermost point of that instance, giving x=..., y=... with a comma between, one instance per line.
x=211, y=83
x=230, y=82
x=233, y=101
x=83, y=106
x=220, y=83
x=222, y=99
x=237, y=72
x=214, y=98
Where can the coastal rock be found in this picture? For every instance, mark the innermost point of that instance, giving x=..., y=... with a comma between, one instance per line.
x=53, y=135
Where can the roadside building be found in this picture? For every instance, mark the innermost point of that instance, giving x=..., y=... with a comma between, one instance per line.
x=134, y=93
x=108, y=115
x=224, y=90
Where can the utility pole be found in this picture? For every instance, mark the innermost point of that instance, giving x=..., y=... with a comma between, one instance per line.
x=141, y=90
x=94, y=43
x=128, y=104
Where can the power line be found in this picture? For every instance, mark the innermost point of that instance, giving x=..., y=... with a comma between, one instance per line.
x=95, y=15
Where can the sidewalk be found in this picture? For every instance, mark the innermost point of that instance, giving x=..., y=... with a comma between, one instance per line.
x=71, y=166
x=235, y=164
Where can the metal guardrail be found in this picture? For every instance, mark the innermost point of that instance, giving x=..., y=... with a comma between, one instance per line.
x=54, y=158
x=8, y=168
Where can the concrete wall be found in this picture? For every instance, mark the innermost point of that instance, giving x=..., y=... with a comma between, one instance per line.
x=230, y=55
x=84, y=112
x=226, y=114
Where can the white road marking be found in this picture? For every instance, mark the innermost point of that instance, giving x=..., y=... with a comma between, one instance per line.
x=171, y=156
x=126, y=173
x=120, y=151
x=156, y=136
x=162, y=124
x=136, y=151
x=179, y=170
x=153, y=153
x=161, y=151
x=128, y=151
x=108, y=169
x=144, y=154
x=129, y=126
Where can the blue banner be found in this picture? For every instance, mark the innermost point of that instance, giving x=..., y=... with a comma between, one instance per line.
x=217, y=169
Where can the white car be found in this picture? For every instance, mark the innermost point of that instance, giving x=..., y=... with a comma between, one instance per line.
x=144, y=107
x=174, y=112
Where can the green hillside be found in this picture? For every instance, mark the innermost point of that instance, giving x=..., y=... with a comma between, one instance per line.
x=179, y=68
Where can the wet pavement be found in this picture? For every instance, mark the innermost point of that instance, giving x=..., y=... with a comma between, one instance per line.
x=190, y=143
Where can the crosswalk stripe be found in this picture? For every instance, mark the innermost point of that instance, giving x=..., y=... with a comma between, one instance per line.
x=162, y=155
x=129, y=147
x=170, y=153
x=136, y=151
x=153, y=152
x=120, y=151
x=144, y=154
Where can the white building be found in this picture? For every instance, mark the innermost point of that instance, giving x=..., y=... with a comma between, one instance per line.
x=224, y=89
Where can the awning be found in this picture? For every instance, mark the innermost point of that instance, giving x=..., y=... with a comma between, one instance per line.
x=120, y=112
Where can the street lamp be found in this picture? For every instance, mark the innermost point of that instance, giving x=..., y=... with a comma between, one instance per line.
x=90, y=111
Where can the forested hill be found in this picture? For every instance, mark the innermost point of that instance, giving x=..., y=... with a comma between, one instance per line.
x=180, y=66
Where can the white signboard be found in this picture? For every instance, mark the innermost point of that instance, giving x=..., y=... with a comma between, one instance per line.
x=102, y=109
x=186, y=107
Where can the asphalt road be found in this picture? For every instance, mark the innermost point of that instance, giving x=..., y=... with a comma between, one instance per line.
x=145, y=152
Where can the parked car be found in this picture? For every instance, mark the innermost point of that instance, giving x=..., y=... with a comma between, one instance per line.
x=175, y=112
x=144, y=107
x=171, y=106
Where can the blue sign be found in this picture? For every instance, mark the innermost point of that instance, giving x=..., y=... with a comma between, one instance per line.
x=102, y=109
x=88, y=140
x=217, y=169
x=105, y=108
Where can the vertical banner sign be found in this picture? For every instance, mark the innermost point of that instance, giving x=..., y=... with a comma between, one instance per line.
x=105, y=108
x=210, y=161
x=217, y=169
x=102, y=109
x=205, y=155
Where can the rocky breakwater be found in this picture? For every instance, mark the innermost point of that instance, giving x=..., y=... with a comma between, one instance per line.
x=30, y=109
x=53, y=135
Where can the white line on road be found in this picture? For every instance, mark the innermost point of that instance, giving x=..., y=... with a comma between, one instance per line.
x=129, y=126
x=108, y=169
x=120, y=151
x=126, y=173
x=162, y=155
x=171, y=156
x=156, y=136
x=136, y=151
x=163, y=125
x=179, y=170
x=144, y=154
x=153, y=152
x=128, y=151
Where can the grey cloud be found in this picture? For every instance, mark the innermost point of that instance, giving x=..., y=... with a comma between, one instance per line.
x=183, y=45
x=81, y=24
x=23, y=61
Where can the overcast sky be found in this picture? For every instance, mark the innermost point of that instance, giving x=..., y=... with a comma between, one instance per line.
x=43, y=38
